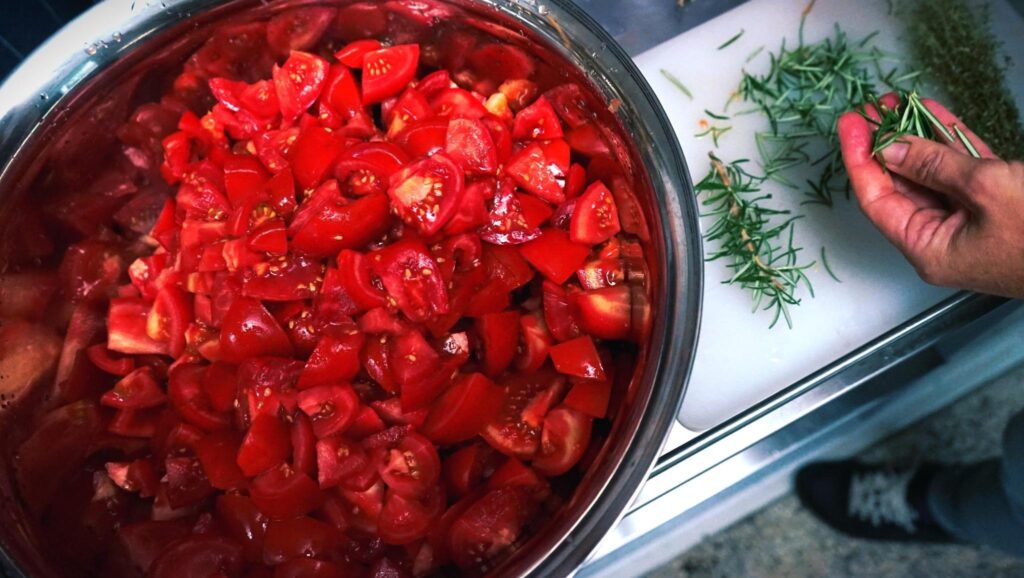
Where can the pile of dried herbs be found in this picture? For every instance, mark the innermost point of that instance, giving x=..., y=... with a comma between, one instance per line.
x=952, y=41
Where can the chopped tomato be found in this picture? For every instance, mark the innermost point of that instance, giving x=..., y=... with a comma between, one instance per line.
x=536, y=342
x=216, y=452
x=199, y=555
x=416, y=368
x=367, y=167
x=298, y=28
x=607, y=313
x=507, y=225
x=464, y=470
x=578, y=357
x=537, y=121
x=463, y=410
x=313, y=155
x=335, y=358
x=564, y=441
x=333, y=226
x=302, y=537
x=427, y=193
x=411, y=277
x=500, y=335
x=331, y=408
x=283, y=493
x=351, y=55
x=469, y=144
x=266, y=444
x=490, y=526
x=388, y=70
x=533, y=171
x=299, y=82
x=590, y=397
x=411, y=468
x=499, y=62
x=138, y=390
x=458, y=103
x=516, y=431
x=555, y=255
x=596, y=218
x=250, y=330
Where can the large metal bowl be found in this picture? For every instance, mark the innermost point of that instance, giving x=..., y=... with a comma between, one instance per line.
x=64, y=97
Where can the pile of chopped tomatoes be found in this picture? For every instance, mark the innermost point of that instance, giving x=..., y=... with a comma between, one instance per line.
x=377, y=317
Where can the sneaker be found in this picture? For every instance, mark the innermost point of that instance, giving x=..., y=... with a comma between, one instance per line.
x=872, y=502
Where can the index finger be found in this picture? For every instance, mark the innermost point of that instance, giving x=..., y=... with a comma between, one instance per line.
x=889, y=210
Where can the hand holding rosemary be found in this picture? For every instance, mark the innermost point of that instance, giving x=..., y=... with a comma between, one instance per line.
x=806, y=88
x=951, y=207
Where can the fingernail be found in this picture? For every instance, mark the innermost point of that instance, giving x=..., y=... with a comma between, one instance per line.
x=895, y=153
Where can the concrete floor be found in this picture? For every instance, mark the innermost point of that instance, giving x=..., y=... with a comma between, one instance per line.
x=784, y=541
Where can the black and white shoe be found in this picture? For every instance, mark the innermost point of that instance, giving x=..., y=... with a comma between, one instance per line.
x=873, y=502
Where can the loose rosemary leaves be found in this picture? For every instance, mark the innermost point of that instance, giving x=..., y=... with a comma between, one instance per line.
x=952, y=40
x=911, y=117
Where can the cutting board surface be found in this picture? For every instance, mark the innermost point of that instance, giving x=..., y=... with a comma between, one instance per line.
x=740, y=361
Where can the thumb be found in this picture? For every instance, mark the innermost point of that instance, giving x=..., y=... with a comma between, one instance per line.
x=932, y=164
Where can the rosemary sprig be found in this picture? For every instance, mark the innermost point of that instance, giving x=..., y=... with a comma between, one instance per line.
x=758, y=246
x=911, y=117
x=803, y=93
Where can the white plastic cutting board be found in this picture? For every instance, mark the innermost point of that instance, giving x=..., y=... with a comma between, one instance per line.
x=739, y=360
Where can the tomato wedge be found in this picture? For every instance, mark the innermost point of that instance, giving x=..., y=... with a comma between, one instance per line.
x=328, y=228
x=351, y=55
x=427, y=192
x=596, y=218
x=489, y=527
x=500, y=335
x=411, y=277
x=299, y=82
x=555, y=255
x=367, y=167
x=331, y=408
x=283, y=493
x=537, y=121
x=578, y=357
x=564, y=441
x=463, y=410
x=298, y=28
x=537, y=174
x=516, y=431
x=266, y=444
x=387, y=71
x=250, y=330
x=469, y=143
x=506, y=223
x=412, y=467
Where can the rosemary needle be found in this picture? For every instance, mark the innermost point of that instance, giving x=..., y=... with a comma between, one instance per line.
x=729, y=42
x=678, y=83
x=828, y=268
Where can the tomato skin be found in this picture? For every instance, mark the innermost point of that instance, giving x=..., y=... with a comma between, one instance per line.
x=404, y=520
x=427, y=192
x=298, y=28
x=533, y=171
x=571, y=104
x=355, y=271
x=336, y=227
x=463, y=410
x=216, y=453
x=313, y=155
x=331, y=408
x=335, y=358
x=489, y=526
x=283, y=493
x=607, y=313
x=249, y=330
x=266, y=444
x=507, y=225
x=555, y=255
x=307, y=568
x=464, y=470
x=199, y=555
x=578, y=357
x=351, y=55
x=411, y=468
x=184, y=389
x=500, y=335
x=596, y=218
x=367, y=167
x=590, y=397
x=297, y=538
x=471, y=212
x=411, y=277
x=470, y=145
x=339, y=460
x=282, y=278
x=299, y=82
x=514, y=473
x=387, y=71
x=417, y=369
x=499, y=62
x=303, y=444
x=564, y=441
x=243, y=522
x=537, y=121
x=536, y=344
x=137, y=390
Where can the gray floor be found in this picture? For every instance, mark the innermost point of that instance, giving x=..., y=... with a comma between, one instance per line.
x=784, y=541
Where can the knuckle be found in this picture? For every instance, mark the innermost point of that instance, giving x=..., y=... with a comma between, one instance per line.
x=931, y=272
x=985, y=178
x=928, y=165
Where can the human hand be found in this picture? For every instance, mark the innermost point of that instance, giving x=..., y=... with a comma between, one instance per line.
x=957, y=219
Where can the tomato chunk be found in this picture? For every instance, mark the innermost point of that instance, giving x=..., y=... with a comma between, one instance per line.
x=578, y=357
x=555, y=255
x=388, y=70
x=427, y=192
x=463, y=410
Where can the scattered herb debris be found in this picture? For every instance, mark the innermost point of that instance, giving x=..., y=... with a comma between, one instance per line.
x=729, y=42
x=677, y=83
x=952, y=40
x=828, y=268
x=756, y=241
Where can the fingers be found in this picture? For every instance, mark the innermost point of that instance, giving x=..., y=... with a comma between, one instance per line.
x=933, y=165
x=889, y=210
x=950, y=120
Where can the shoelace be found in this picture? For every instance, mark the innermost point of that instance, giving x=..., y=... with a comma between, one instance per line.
x=880, y=497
